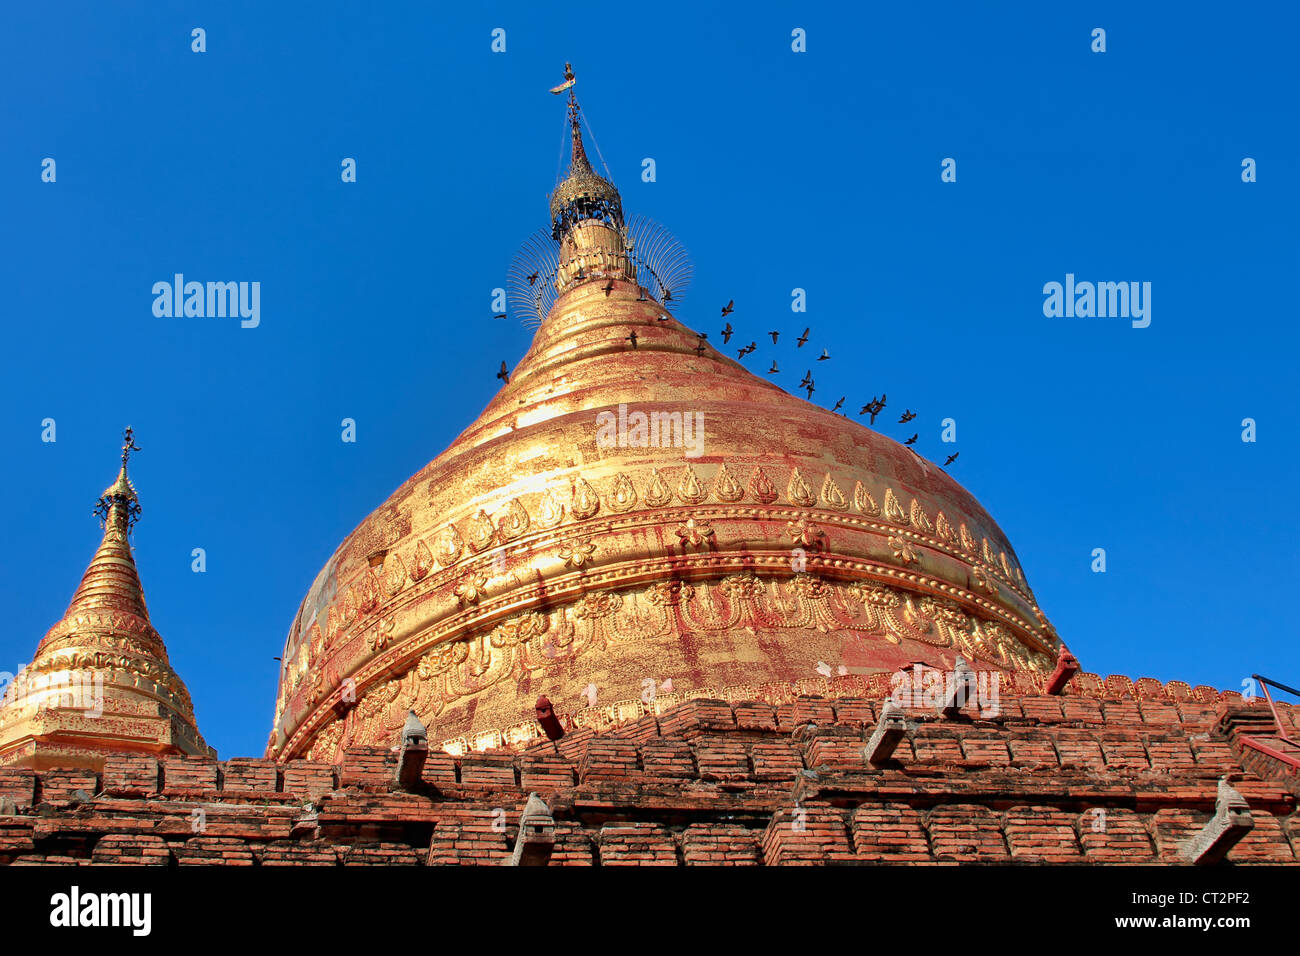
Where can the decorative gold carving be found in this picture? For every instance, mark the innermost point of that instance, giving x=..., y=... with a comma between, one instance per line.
x=804, y=533
x=903, y=550
x=893, y=508
x=919, y=519
x=480, y=530
x=831, y=495
x=448, y=545
x=967, y=541
x=585, y=500
x=471, y=588
x=421, y=561
x=693, y=532
x=349, y=608
x=394, y=573
x=549, y=512
x=603, y=621
x=689, y=488
x=1006, y=565
x=725, y=485
x=798, y=491
x=513, y=522
x=658, y=494
x=761, y=488
x=623, y=496
x=991, y=561
x=577, y=551
x=943, y=529
x=863, y=501
x=382, y=635
x=982, y=580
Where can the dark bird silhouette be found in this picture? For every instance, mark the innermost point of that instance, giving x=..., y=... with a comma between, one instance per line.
x=912, y=440
x=802, y=340
x=908, y=415
x=729, y=308
x=774, y=335
x=839, y=404
x=824, y=356
x=727, y=333
x=632, y=338
x=701, y=335
x=668, y=295
x=504, y=375
x=280, y=659
x=608, y=287
x=499, y=315
x=951, y=459
x=533, y=278
x=699, y=348
x=742, y=353
x=773, y=370
x=875, y=407
x=807, y=377
x=811, y=388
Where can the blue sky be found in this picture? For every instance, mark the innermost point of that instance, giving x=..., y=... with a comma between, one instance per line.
x=818, y=170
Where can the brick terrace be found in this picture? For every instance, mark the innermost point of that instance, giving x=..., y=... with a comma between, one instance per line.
x=1068, y=779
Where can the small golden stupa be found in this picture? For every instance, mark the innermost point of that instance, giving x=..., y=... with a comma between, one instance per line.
x=636, y=519
x=100, y=682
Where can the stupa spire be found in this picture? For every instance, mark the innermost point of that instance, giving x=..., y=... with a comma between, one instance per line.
x=111, y=581
x=100, y=682
x=587, y=213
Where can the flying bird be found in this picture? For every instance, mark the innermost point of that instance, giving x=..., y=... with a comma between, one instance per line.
x=774, y=335
x=839, y=404
x=668, y=295
x=824, y=356
x=608, y=287
x=951, y=459
x=907, y=417
x=807, y=377
x=810, y=388
x=803, y=338
x=632, y=338
x=729, y=308
x=875, y=407
x=533, y=278
x=701, y=335
x=699, y=348
x=499, y=315
x=912, y=440
x=504, y=375
x=773, y=370
x=727, y=333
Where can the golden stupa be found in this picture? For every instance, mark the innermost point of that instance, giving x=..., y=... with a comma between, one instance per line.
x=100, y=682
x=636, y=519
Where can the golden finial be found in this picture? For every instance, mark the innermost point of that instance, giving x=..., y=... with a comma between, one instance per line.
x=121, y=491
x=128, y=443
x=569, y=80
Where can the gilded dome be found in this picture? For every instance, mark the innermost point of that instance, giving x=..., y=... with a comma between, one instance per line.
x=636, y=518
x=546, y=553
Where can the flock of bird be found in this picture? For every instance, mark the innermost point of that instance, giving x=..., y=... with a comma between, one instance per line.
x=872, y=408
